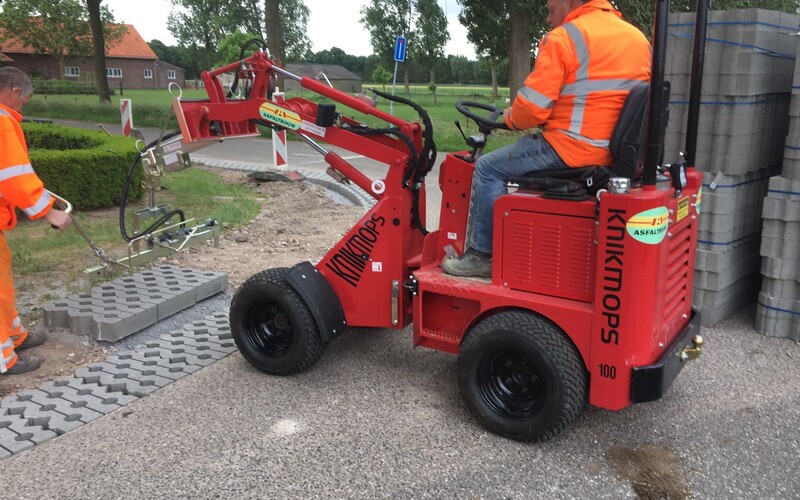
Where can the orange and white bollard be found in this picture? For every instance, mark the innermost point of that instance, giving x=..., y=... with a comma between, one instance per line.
x=127, y=116
x=279, y=152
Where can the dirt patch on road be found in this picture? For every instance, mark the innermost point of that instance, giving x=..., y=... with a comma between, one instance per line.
x=298, y=221
x=654, y=472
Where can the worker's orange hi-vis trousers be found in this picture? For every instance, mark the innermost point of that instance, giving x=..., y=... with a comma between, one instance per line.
x=12, y=333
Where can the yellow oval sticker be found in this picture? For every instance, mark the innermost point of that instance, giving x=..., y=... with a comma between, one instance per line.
x=649, y=226
x=280, y=116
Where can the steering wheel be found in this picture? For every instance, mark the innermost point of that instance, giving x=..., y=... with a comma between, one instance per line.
x=485, y=124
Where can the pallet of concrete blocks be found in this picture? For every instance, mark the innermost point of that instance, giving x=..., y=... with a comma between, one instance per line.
x=778, y=310
x=736, y=134
x=726, y=278
x=732, y=205
x=748, y=52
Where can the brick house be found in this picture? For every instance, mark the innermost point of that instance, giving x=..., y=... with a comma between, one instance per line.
x=130, y=64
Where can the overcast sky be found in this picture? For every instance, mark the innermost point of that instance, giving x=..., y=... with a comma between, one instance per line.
x=150, y=19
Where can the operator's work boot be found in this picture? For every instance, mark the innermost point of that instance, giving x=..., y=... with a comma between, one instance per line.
x=33, y=339
x=471, y=264
x=24, y=364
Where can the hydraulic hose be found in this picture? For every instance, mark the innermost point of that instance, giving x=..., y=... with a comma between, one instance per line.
x=125, y=189
x=425, y=160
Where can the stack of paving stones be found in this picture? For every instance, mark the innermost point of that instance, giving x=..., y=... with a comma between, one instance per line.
x=35, y=416
x=129, y=304
x=744, y=119
x=778, y=309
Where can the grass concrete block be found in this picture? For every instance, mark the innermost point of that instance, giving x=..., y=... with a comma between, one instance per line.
x=61, y=389
x=781, y=209
x=780, y=288
x=779, y=268
x=712, y=315
x=37, y=414
x=773, y=322
x=788, y=230
x=118, y=380
x=712, y=299
x=779, y=248
x=48, y=402
x=13, y=443
x=719, y=281
x=18, y=424
x=149, y=367
x=721, y=258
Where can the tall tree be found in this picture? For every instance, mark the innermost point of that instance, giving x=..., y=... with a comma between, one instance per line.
x=99, y=49
x=432, y=35
x=385, y=20
x=59, y=29
x=511, y=26
x=486, y=24
x=272, y=14
x=203, y=24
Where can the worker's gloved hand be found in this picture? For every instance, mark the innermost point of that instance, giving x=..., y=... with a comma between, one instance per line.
x=58, y=219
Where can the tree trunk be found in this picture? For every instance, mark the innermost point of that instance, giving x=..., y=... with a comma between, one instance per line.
x=272, y=14
x=494, y=80
x=433, y=83
x=99, y=46
x=519, y=50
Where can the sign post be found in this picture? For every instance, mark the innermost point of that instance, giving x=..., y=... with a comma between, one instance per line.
x=127, y=116
x=399, y=56
x=279, y=140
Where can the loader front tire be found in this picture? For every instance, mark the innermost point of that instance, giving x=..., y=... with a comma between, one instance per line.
x=272, y=325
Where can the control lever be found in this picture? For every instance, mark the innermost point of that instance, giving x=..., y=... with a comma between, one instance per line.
x=458, y=126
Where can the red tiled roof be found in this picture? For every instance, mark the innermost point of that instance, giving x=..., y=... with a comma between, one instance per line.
x=131, y=46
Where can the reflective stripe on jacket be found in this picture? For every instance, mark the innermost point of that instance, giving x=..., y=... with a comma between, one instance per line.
x=583, y=73
x=19, y=184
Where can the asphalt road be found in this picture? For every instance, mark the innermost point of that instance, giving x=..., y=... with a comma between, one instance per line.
x=375, y=418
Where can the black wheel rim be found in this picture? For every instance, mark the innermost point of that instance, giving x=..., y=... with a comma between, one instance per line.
x=510, y=384
x=268, y=329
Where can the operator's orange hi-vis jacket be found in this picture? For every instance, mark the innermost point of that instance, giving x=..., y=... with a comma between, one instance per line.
x=583, y=73
x=19, y=184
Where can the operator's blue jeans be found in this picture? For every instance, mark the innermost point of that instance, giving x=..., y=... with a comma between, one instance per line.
x=492, y=172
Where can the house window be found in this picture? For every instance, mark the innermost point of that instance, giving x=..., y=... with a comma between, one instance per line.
x=114, y=72
x=148, y=73
x=171, y=74
x=72, y=71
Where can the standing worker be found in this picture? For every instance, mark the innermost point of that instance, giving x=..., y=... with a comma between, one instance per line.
x=584, y=70
x=19, y=188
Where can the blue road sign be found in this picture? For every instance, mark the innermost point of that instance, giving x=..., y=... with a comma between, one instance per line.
x=400, y=49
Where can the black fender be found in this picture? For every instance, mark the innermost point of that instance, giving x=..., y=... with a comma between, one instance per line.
x=320, y=298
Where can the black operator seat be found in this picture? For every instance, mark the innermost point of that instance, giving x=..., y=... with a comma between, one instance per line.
x=627, y=148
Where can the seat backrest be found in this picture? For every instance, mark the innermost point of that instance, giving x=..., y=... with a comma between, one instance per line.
x=627, y=139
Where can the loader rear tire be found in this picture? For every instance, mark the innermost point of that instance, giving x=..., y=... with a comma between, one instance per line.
x=272, y=325
x=521, y=376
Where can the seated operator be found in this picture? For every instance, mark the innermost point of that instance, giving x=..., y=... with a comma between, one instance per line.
x=584, y=70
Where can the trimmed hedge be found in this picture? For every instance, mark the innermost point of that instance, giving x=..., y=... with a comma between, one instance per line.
x=87, y=168
x=56, y=87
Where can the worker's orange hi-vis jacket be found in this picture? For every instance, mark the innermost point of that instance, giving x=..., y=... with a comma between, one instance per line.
x=19, y=184
x=583, y=73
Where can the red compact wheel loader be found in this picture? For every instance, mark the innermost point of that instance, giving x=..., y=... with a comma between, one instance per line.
x=590, y=297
